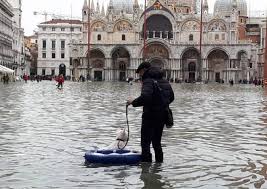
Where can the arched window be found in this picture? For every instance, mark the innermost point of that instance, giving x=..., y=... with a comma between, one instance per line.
x=123, y=37
x=191, y=37
x=84, y=13
x=99, y=37
x=217, y=37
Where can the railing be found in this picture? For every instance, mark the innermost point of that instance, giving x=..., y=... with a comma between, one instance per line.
x=158, y=35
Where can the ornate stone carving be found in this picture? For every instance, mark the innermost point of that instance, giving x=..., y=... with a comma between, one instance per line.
x=217, y=26
x=157, y=50
x=99, y=26
x=98, y=64
x=191, y=26
x=123, y=26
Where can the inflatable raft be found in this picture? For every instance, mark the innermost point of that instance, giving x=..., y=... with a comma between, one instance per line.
x=113, y=157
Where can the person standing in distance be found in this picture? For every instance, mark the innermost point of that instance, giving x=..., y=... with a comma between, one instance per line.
x=154, y=113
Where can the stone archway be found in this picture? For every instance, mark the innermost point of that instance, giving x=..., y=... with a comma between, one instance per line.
x=158, y=55
x=217, y=65
x=62, y=69
x=191, y=67
x=97, y=58
x=158, y=26
x=120, y=63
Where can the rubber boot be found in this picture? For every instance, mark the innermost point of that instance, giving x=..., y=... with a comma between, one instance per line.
x=146, y=157
x=159, y=157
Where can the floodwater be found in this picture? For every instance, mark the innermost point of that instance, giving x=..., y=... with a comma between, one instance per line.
x=219, y=139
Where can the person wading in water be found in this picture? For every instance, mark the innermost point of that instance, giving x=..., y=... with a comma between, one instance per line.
x=154, y=115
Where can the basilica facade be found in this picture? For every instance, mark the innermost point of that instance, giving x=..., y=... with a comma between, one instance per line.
x=173, y=41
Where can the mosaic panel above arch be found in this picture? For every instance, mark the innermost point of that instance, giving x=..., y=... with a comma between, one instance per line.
x=99, y=26
x=123, y=26
x=157, y=50
x=98, y=64
x=191, y=26
x=217, y=26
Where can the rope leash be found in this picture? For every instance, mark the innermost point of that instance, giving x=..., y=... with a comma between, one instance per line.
x=127, y=122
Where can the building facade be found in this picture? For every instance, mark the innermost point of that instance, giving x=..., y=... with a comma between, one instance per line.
x=54, y=39
x=6, y=37
x=31, y=45
x=172, y=41
x=18, y=38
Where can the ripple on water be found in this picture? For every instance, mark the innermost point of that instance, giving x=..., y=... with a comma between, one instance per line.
x=218, y=140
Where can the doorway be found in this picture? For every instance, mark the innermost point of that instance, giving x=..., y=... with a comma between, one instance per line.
x=98, y=76
x=218, y=77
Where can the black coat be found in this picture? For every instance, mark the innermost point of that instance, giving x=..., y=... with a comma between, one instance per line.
x=151, y=102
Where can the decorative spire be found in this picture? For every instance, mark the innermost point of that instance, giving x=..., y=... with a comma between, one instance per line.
x=85, y=6
x=206, y=6
x=234, y=4
x=136, y=3
x=97, y=7
x=92, y=6
x=103, y=10
x=110, y=3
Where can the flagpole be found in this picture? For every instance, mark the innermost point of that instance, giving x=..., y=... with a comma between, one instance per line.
x=145, y=34
x=89, y=40
x=265, y=59
x=200, y=40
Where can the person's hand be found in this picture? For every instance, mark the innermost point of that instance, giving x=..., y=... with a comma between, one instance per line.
x=129, y=102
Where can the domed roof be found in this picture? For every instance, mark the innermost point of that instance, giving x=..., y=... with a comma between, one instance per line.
x=126, y=5
x=225, y=6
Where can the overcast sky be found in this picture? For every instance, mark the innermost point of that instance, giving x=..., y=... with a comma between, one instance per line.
x=74, y=7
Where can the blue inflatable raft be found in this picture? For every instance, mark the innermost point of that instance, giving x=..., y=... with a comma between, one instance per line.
x=118, y=157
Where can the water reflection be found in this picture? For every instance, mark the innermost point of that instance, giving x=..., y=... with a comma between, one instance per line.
x=152, y=178
x=218, y=141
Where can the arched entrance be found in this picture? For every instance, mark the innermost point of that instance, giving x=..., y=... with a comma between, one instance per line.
x=98, y=64
x=217, y=65
x=158, y=56
x=120, y=63
x=243, y=62
x=191, y=67
x=62, y=69
x=158, y=26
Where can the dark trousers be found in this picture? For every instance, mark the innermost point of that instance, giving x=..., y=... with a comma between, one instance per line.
x=60, y=85
x=151, y=132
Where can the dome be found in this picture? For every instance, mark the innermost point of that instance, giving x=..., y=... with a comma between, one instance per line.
x=126, y=5
x=225, y=6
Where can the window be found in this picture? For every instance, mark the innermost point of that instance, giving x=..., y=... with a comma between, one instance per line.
x=123, y=37
x=84, y=13
x=44, y=28
x=62, y=44
x=62, y=29
x=53, y=44
x=191, y=37
x=44, y=44
x=53, y=29
x=99, y=37
x=71, y=29
x=216, y=36
x=223, y=36
x=53, y=72
x=53, y=55
x=62, y=55
x=36, y=41
x=44, y=55
x=43, y=71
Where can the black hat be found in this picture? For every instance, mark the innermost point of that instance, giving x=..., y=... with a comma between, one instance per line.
x=142, y=66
